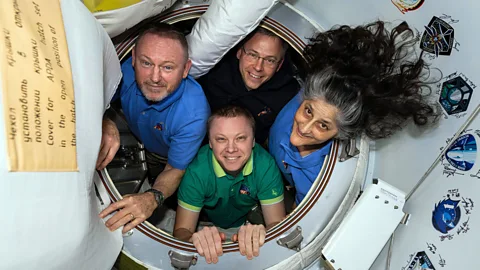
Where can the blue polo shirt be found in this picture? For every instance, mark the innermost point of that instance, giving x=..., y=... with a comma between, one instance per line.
x=173, y=127
x=299, y=171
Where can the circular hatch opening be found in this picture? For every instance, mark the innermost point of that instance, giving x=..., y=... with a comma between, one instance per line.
x=128, y=172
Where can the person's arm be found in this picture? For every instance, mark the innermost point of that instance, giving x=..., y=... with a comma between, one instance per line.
x=110, y=135
x=273, y=214
x=271, y=196
x=185, y=224
x=184, y=146
x=136, y=208
x=110, y=143
x=168, y=180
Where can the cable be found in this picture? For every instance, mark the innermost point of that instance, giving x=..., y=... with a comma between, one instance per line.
x=459, y=132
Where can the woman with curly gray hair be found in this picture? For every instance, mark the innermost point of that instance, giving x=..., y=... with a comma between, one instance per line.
x=360, y=80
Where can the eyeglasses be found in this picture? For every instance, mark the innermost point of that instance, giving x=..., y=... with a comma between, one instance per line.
x=253, y=57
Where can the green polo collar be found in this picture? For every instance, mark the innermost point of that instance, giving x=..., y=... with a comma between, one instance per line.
x=219, y=172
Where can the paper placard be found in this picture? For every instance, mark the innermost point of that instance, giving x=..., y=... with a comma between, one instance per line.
x=38, y=96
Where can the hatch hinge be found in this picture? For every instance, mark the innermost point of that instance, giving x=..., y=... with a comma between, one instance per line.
x=293, y=240
x=349, y=150
x=181, y=261
x=405, y=219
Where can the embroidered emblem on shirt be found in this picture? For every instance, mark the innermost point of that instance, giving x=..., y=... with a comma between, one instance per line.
x=158, y=126
x=244, y=190
x=266, y=110
x=274, y=192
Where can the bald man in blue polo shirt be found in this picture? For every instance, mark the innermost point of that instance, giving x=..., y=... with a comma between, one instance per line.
x=166, y=109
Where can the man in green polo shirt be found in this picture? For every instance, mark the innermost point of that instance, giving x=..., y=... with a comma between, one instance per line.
x=227, y=179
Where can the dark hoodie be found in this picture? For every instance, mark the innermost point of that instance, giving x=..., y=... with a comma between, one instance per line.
x=224, y=85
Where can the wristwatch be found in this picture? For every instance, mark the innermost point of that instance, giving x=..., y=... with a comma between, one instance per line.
x=158, y=196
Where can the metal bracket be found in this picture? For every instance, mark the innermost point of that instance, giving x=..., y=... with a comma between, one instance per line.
x=292, y=240
x=405, y=219
x=181, y=261
x=349, y=150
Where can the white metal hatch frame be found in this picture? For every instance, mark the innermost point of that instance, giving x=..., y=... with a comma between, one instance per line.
x=331, y=196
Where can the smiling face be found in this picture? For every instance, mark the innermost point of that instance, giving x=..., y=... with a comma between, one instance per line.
x=231, y=140
x=313, y=124
x=256, y=71
x=160, y=65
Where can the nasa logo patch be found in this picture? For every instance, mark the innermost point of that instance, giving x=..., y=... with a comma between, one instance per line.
x=244, y=190
x=455, y=95
x=266, y=110
x=451, y=215
x=407, y=5
x=438, y=38
x=462, y=153
x=446, y=215
x=420, y=262
x=158, y=126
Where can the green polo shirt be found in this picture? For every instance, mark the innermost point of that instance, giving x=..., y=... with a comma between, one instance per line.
x=227, y=199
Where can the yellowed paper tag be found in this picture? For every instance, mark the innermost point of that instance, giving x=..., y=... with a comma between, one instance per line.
x=38, y=97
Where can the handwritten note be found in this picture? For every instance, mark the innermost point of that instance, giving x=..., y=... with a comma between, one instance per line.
x=38, y=95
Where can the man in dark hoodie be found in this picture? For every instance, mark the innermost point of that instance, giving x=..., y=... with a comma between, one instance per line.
x=257, y=76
